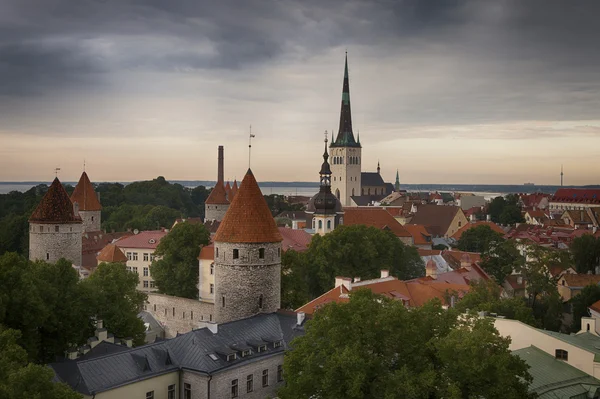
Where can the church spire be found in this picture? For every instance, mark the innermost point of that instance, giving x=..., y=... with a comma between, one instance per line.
x=397, y=184
x=325, y=172
x=345, y=136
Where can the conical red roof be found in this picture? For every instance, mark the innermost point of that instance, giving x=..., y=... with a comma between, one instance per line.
x=111, y=253
x=55, y=207
x=248, y=219
x=85, y=195
x=217, y=196
x=234, y=189
x=228, y=192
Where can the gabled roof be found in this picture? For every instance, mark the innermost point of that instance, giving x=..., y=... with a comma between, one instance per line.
x=85, y=195
x=581, y=280
x=143, y=240
x=472, y=225
x=111, y=253
x=577, y=195
x=419, y=234
x=218, y=195
x=55, y=207
x=375, y=217
x=337, y=294
x=438, y=216
x=207, y=252
x=248, y=219
x=370, y=179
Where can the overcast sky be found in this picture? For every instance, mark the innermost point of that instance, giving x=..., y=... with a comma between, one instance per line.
x=444, y=91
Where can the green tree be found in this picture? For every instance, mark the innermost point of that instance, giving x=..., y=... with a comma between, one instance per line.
x=18, y=379
x=373, y=347
x=175, y=271
x=114, y=298
x=295, y=275
x=495, y=208
x=586, y=253
x=479, y=239
x=511, y=214
x=506, y=210
x=501, y=258
x=581, y=302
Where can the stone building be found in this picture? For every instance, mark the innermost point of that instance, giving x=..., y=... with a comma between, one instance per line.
x=247, y=257
x=324, y=210
x=88, y=204
x=217, y=203
x=55, y=228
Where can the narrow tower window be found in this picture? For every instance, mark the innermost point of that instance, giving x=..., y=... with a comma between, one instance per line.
x=236, y=253
x=260, y=301
x=261, y=253
x=47, y=256
x=320, y=224
x=329, y=224
x=92, y=218
x=223, y=300
x=56, y=229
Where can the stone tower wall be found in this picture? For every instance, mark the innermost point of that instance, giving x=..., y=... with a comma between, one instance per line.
x=215, y=212
x=345, y=176
x=242, y=281
x=45, y=243
x=91, y=220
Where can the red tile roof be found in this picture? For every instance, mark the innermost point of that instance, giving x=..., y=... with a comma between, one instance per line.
x=419, y=234
x=297, y=240
x=577, y=195
x=581, y=280
x=92, y=242
x=376, y=217
x=207, y=252
x=218, y=195
x=234, y=190
x=337, y=294
x=466, y=227
x=111, y=253
x=55, y=207
x=248, y=219
x=144, y=239
x=596, y=306
x=85, y=195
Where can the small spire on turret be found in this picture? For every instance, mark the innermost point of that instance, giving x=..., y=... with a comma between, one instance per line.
x=378, y=168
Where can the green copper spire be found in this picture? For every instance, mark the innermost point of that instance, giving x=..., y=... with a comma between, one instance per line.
x=397, y=184
x=345, y=136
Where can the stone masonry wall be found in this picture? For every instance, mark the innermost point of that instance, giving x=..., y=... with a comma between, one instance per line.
x=220, y=384
x=240, y=283
x=47, y=244
x=215, y=212
x=91, y=220
x=178, y=315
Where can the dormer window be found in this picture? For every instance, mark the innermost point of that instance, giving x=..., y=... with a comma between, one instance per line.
x=231, y=357
x=247, y=352
x=262, y=348
x=277, y=344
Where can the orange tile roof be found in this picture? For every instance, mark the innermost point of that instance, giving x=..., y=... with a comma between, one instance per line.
x=419, y=233
x=207, y=252
x=468, y=226
x=581, y=280
x=85, y=195
x=55, y=207
x=234, y=190
x=375, y=217
x=111, y=253
x=144, y=239
x=218, y=195
x=596, y=306
x=337, y=294
x=248, y=219
x=228, y=191
x=295, y=239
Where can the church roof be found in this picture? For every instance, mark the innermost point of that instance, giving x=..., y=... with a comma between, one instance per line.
x=248, y=219
x=371, y=179
x=85, y=195
x=345, y=137
x=55, y=207
x=218, y=195
x=111, y=253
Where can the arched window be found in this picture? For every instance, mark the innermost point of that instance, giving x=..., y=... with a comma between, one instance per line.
x=260, y=301
x=314, y=222
x=320, y=224
x=369, y=191
x=337, y=193
x=353, y=192
x=329, y=228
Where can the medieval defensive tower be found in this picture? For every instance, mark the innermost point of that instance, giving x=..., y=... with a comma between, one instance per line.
x=88, y=203
x=247, y=257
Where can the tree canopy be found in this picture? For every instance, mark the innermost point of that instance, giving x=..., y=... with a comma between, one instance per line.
x=175, y=268
x=479, y=239
x=506, y=210
x=351, y=251
x=502, y=258
x=581, y=302
x=586, y=253
x=373, y=347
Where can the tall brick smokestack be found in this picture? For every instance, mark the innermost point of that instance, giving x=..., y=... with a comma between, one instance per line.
x=220, y=176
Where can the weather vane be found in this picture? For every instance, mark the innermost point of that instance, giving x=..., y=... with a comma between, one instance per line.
x=250, y=146
x=56, y=172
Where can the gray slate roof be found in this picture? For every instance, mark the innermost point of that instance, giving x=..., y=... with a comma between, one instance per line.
x=189, y=351
x=371, y=179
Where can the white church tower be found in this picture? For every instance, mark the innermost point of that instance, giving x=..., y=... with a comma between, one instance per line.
x=345, y=152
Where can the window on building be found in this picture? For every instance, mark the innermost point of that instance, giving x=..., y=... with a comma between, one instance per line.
x=234, y=388
x=210, y=317
x=329, y=221
x=561, y=354
x=280, y=373
x=277, y=344
x=192, y=314
x=187, y=391
x=278, y=251
x=249, y=383
x=265, y=378
x=223, y=300
x=146, y=257
x=151, y=257
x=260, y=301
x=459, y=223
x=41, y=229
x=135, y=256
x=262, y=348
x=155, y=307
x=236, y=253
x=261, y=253
x=146, y=272
x=217, y=252
x=212, y=288
x=129, y=256
x=145, y=283
x=134, y=269
x=47, y=255
x=171, y=392
x=56, y=229
x=165, y=311
x=320, y=224
x=150, y=395
x=212, y=269
x=173, y=312
x=92, y=218
x=231, y=357
x=183, y=315
x=246, y=353
x=152, y=284
x=314, y=222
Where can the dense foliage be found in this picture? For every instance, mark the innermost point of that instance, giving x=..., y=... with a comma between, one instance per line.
x=175, y=270
x=506, y=210
x=53, y=309
x=586, y=253
x=478, y=239
x=580, y=304
x=350, y=251
x=373, y=347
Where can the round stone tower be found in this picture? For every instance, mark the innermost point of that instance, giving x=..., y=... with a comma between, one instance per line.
x=55, y=228
x=247, y=257
x=89, y=205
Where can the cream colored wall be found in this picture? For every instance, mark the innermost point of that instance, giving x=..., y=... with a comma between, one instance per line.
x=158, y=384
x=205, y=280
x=345, y=177
x=323, y=219
x=523, y=336
x=140, y=264
x=459, y=221
x=564, y=290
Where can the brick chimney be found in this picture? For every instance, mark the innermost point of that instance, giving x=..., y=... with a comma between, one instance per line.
x=221, y=172
x=431, y=269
